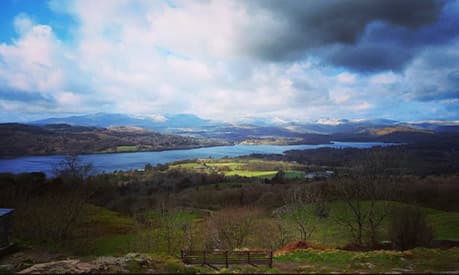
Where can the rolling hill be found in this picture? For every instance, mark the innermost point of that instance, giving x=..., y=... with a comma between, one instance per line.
x=20, y=139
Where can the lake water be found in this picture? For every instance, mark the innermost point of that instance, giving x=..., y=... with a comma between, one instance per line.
x=126, y=161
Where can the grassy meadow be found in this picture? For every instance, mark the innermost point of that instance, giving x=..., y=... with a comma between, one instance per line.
x=244, y=167
x=107, y=233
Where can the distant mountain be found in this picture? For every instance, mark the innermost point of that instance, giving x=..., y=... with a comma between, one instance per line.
x=96, y=120
x=260, y=129
x=437, y=125
x=333, y=126
x=394, y=129
x=166, y=123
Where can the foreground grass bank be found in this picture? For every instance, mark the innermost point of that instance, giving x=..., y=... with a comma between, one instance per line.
x=419, y=260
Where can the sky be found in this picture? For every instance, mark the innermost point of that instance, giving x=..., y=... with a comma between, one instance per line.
x=284, y=60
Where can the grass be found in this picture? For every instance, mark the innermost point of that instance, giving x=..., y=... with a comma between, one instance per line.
x=127, y=148
x=101, y=221
x=244, y=167
x=110, y=245
x=294, y=174
x=446, y=224
x=329, y=232
x=256, y=174
x=332, y=260
x=209, y=163
x=103, y=232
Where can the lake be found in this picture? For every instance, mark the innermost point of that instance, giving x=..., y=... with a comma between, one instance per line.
x=127, y=161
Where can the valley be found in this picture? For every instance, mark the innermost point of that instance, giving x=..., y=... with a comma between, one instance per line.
x=131, y=199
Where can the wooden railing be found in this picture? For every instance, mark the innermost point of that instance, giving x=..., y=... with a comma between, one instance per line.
x=218, y=257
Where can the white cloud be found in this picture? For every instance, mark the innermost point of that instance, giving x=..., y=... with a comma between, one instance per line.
x=361, y=106
x=31, y=63
x=68, y=99
x=22, y=23
x=341, y=95
x=346, y=78
x=145, y=57
x=384, y=78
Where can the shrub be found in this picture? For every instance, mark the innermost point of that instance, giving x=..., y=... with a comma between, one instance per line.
x=409, y=228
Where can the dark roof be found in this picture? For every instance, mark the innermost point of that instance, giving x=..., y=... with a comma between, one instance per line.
x=5, y=211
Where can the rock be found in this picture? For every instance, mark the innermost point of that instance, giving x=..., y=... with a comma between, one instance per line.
x=65, y=266
x=108, y=264
x=370, y=265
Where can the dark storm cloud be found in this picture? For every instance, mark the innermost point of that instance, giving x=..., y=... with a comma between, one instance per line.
x=341, y=26
x=369, y=57
x=389, y=47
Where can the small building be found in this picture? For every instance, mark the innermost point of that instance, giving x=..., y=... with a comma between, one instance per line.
x=319, y=175
x=5, y=226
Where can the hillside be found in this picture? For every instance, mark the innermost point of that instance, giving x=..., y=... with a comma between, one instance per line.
x=394, y=129
x=265, y=131
x=20, y=139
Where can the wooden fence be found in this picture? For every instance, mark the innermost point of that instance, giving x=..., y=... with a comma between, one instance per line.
x=210, y=258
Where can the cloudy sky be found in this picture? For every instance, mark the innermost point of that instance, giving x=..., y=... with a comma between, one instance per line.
x=230, y=60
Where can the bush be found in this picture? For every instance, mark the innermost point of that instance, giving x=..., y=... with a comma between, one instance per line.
x=409, y=228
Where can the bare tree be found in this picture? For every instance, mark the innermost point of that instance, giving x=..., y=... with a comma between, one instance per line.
x=231, y=227
x=173, y=228
x=271, y=233
x=282, y=232
x=367, y=205
x=74, y=174
x=73, y=170
x=304, y=204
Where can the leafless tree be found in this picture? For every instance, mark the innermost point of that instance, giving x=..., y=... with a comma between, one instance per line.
x=366, y=200
x=304, y=204
x=73, y=170
x=272, y=233
x=231, y=227
x=53, y=210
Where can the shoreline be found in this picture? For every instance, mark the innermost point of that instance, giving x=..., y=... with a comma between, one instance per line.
x=170, y=149
x=103, y=153
x=106, y=162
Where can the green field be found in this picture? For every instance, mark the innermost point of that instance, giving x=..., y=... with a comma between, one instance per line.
x=244, y=167
x=328, y=232
x=257, y=174
x=123, y=148
x=105, y=232
x=127, y=148
x=109, y=233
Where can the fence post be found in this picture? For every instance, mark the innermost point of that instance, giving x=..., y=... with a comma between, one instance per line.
x=248, y=257
x=226, y=258
x=204, y=258
x=271, y=259
x=181, y=255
